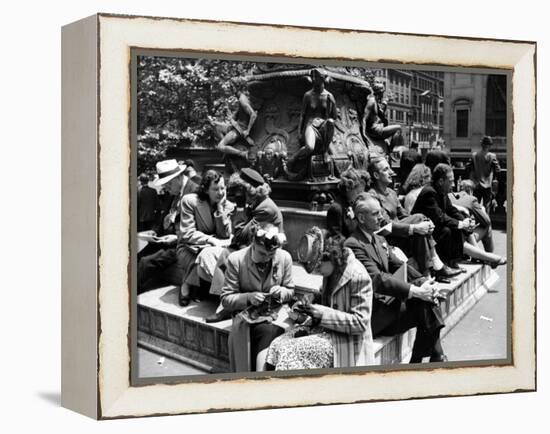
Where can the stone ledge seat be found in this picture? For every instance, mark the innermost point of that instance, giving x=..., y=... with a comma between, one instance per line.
x=182, y=333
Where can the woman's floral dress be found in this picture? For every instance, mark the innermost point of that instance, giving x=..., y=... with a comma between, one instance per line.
x=307, y=351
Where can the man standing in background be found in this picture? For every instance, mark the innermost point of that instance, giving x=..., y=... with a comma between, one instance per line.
x=483, y=168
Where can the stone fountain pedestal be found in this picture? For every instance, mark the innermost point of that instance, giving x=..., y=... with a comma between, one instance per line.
x=276, y=93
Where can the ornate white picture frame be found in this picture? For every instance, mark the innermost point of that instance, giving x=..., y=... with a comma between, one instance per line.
x=97, y=308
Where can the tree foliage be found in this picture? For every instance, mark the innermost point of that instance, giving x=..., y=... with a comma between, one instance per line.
x=175, y=99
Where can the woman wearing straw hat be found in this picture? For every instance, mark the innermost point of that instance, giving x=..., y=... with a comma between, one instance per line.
x=340, y=334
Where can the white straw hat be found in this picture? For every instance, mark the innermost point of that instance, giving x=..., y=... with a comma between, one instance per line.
x=167, y=170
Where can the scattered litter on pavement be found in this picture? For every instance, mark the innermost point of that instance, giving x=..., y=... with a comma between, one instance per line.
x=486, y=318
x=160, y=361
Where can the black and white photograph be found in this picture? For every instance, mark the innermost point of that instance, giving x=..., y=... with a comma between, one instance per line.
x=305, y=217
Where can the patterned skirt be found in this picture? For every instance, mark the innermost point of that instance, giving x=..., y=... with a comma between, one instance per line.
x=311, y=351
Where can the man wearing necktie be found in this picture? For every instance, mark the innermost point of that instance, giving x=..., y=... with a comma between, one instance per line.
x=157, y=261
x=397, y=305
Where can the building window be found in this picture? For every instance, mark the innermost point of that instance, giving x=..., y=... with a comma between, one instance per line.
x=462, y=123
x=495, y=117
x=399, y=115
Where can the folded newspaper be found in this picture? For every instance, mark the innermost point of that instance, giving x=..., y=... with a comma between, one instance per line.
x=384, y=230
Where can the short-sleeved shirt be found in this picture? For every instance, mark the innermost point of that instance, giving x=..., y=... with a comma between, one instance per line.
x=484, y=166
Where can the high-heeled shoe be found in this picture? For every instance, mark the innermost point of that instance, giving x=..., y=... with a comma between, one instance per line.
x=495, y=264
x=492, y=264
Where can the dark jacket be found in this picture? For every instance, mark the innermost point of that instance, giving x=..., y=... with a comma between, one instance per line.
x=392, y=211
x=400, y=313
x=338, y=221
x=438, y=208
x=380, y=262
x=264, y=212
x=169, y=220
x=435, y=157
x=147, y=204
x=409, y=158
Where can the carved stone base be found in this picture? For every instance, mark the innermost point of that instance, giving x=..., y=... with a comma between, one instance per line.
x=314, y=195
x=321, y=168
x=376, y=145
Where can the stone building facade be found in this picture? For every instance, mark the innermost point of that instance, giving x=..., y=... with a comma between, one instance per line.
x=415, y=101
x=475, y=106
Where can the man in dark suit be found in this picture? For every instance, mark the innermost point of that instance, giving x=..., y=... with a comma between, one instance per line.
x=147, y=204
x=157, y=261
x=397, y=305
x=435, y=157
x=450, y=223
x=409, y=232
x=451, y=226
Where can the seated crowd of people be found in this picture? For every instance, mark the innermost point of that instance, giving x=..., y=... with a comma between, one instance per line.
x=382, y=256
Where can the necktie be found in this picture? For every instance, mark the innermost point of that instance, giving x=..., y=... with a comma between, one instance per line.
x=377, y=249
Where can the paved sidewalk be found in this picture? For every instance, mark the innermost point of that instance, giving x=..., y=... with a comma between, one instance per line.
x=481, y=334
x=155, y=365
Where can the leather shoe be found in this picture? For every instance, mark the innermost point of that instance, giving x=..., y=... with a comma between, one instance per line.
x=439, y=358
x=454, y=265
x=218, y=316
x=184, y=300
x=440, y=279
x=447, y=272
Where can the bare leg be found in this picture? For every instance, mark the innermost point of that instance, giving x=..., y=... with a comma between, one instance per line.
x=184, y=298
x=471, y=239
x=328, y=133
x=220, y=129
x=477, y=253
x=308, y=147
x=260, y=360
x=224, y=145
x=389, y=131
x=309, y=142
x=485, y=235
